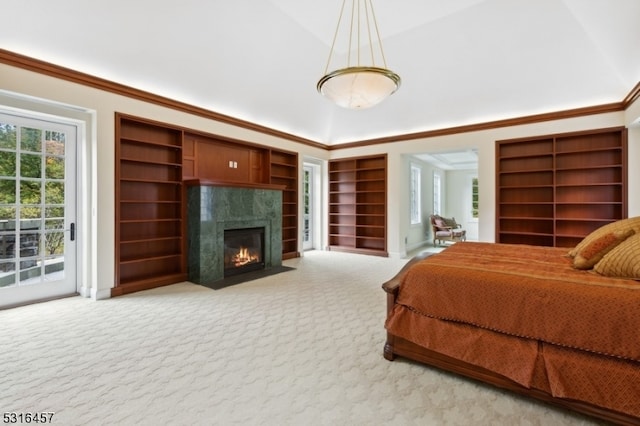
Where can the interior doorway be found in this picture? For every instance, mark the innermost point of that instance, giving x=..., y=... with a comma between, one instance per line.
x=451, y=186
x=311, y=218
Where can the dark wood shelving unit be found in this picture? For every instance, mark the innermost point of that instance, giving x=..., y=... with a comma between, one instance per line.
x=153, y=161
x=283, y=170
x=150, y=228
x=358, y=205
x=554, y=190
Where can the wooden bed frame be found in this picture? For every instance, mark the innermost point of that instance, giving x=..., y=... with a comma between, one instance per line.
x=396, y=346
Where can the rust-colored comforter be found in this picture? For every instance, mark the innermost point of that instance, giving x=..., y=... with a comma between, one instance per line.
x=525, y=313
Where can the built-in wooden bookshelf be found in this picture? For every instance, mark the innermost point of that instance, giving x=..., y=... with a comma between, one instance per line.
x=554, y=190
x=150, y=246
x=283, y=170
x=358, y=204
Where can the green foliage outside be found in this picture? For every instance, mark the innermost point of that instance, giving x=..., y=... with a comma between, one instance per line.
x=38, y=176
x=474, y=198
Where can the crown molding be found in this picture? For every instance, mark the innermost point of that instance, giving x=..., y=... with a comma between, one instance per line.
x=633, y=96
x=509, y=122
x=57, y=71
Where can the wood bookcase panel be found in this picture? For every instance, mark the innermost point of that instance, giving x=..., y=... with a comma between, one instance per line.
x=607, y=212
x=150, y=245
x=151, y=211
x=378, y=209
x=150, y=153
x=555, y=190
x=578, y=227
x=149, y=191
x=590, y=176
x=531, y=164
x=342, y=187
x=527, y=225
x=152, y=161
x=370, y=245
x=519, y=149
x=588, y=160
x=523, y=238
x=525, y=179
x=283, y=170
x=132, y=272
x=589, y=194
x=137, y=230
x=130, y=251
x=589, y=143
x=526, y=210
x=143, y=170
x=357, y=204
x=533, y=194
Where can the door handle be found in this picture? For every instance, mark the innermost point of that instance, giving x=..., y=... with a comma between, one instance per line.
x=72, y=232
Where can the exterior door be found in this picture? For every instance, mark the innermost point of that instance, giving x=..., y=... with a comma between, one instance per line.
x=307, y=234
x=37, y=209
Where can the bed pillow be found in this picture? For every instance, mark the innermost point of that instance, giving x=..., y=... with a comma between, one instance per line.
x=622, y=224
x=623, y=261
x=595, y=250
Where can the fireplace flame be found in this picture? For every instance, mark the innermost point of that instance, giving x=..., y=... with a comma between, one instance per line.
x=244, y=257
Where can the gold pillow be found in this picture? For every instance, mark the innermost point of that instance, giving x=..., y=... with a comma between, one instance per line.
x=622, y=224
x=597, y=248
x=623, y=261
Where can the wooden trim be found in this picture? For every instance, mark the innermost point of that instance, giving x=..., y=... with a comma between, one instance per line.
x=396, y=346
x=148, y=284
x=46, y=68
x=633, y=96
x=52, y=70
x=205, y=182
x=509, y=122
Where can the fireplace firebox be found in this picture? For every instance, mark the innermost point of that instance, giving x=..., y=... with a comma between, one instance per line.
x=243, y=250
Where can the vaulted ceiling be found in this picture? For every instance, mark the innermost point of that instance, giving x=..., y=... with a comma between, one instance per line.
x=461, y=61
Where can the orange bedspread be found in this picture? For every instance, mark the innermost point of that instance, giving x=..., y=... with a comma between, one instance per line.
x=527, y=291
x=525, y=313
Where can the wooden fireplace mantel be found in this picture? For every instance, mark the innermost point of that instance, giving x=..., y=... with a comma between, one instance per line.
x=250, y=185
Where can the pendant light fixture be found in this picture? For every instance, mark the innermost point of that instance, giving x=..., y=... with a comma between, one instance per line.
x=361, y=85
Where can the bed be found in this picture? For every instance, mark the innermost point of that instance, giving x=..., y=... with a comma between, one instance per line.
x=558, y=325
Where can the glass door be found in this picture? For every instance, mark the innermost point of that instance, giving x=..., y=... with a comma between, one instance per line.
x=37, y=209
x=307, y=228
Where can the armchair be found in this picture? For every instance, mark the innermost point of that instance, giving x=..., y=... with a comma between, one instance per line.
x=446, y=229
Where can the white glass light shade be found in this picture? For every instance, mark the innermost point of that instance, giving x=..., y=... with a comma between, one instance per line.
x=359, y=87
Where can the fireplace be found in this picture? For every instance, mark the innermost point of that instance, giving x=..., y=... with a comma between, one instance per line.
x=243, y=250
x=215, y=209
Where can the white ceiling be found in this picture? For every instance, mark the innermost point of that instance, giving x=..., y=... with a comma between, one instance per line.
x=461, y=61
x=454, y=160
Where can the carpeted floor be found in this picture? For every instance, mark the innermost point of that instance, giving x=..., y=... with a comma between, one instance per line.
x=303, y=347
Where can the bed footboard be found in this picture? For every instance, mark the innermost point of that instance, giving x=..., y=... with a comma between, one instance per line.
x=391, y=288
x=397, y=346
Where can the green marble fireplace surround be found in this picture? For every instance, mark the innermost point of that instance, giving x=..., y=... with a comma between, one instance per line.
x=213, y=208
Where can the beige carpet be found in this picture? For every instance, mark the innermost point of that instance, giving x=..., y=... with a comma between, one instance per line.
x=299, y=348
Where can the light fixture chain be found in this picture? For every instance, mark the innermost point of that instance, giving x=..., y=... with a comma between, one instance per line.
x=367, y=6
x=375, y=23
x=349, y=50
x=335, y=37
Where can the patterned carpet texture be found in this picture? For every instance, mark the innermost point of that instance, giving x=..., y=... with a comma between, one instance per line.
x=302, y=347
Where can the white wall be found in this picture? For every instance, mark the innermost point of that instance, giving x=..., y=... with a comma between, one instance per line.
x=107, y=104
x=458, y=189
x=420, y=234
x=632, y=121
x=484, y=142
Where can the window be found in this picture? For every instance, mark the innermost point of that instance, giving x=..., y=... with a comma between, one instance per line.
x=416, y=211
x=474, y=197
x=437, y=200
